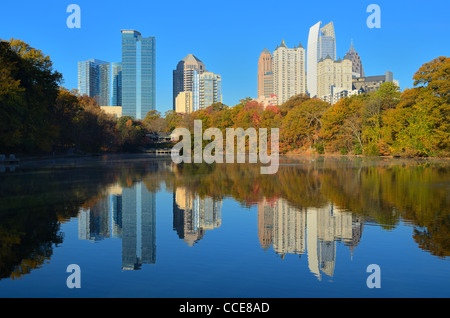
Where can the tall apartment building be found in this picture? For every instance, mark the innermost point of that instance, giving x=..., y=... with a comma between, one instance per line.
x=94, y=81
x=332, y=75
x=357, y=68
x=265, y=74
x=207, y=89
x=138, y=74
x=183, y=75
x=321, y=43
x=289, y=77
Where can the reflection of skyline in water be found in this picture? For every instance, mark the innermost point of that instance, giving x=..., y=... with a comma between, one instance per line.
x=311, y=231
x=130, y=214
x=193, y=215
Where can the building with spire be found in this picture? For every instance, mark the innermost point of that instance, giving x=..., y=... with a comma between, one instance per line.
x=265, y=74
x=357, y=68
x=289, y=78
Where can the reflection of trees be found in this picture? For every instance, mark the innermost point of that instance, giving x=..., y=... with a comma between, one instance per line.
x=384, y=191
x=34, y=203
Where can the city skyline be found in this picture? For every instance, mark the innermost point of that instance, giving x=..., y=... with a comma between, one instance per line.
x=381, y=49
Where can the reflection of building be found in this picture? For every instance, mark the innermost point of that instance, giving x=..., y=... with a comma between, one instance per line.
x=313, y=231
x=138, y=227
x=193, y=215
x=129, y=214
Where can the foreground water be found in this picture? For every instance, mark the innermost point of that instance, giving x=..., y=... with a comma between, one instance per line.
x=145, y=227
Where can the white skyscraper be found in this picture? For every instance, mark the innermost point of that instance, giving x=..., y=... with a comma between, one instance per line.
x=288, y=72
x=321, y=43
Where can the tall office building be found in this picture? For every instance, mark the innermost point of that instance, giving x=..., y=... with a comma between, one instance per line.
x=321, y=43
x=357, y=68
x=207, y=89
x=288, y=72
x=116, y=83
x=94, y=81
x=138, y=74
x=265, y=74
x=183, y=75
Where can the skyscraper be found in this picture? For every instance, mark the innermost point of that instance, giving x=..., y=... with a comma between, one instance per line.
x=265, y=74
x=116, y=83
x=93, y=80
x=333, y=76
x=357, y=68
x=288, y=72
x=183, y=75
x=321, y=43
x=138, y=74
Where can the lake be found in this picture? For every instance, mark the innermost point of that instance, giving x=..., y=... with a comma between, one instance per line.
x=138, y=226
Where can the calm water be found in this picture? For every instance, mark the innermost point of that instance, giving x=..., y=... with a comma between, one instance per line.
x=148, y=228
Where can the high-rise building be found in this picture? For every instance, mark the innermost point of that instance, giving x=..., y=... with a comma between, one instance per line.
x=288, y=72
x=265, y=74
x=321, y=43
x=207, y=89
x=94, y=81
x=333, y=74
x=183, y=75
x=116, y=83
x=357, y=68
x=138, y=74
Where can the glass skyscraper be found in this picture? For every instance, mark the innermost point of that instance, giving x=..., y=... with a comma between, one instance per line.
x=94, y=81
x=138, y=74
x=116, y=83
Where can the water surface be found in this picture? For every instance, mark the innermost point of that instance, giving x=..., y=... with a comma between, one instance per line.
x=145, y=227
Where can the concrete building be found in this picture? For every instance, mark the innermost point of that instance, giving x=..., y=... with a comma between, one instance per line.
x=183, y=75
x=265, y=74
x=184, y=102
x=271, y=100
x=372, y=83
x=333, y=74
x=289, y=76
x=116, y=111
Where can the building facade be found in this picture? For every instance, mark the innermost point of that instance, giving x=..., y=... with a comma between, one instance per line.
x=321, y=43
x=116, y=84
x=138, y=74
x=183, y=75
x=94, y=81
x=184, y=102
x=289, y=78
x=372, y=83
x=357, y=67
x=332, y=75
x=207, y=89
x=265, y=74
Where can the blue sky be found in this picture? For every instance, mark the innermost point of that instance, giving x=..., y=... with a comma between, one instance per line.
x=228, y=36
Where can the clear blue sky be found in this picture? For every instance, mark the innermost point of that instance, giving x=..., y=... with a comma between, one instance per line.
x=228, y=36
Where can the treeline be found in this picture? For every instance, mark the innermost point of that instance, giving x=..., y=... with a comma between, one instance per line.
x=412, y=123
x=38, y=115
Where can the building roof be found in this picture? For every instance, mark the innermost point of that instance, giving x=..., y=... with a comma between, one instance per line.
x=191, y=58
